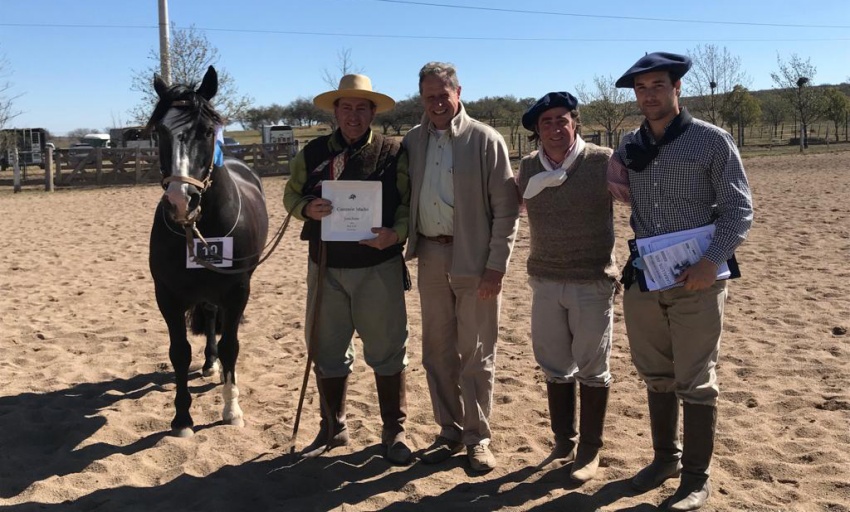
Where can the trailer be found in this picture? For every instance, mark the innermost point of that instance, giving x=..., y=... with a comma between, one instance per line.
x=132, y=137
x=30, y=143
x=280, y=134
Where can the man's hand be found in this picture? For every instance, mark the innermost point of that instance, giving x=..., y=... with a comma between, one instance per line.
x=386, y=238
x=699, y=276
x=490, y=285
x=318, y=208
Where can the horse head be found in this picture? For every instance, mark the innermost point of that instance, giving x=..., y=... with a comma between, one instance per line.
x=186, y=124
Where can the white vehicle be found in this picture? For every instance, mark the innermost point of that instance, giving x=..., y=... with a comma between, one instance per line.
x=96, y=140
x=88, y=142
x=280, y=134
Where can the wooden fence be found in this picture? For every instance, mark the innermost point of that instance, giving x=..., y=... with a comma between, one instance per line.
x=132, y=166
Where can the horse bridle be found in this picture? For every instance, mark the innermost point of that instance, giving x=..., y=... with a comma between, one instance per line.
x=202, y=186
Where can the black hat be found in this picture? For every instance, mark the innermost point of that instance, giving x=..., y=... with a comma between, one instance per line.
x=677, y=65
x=551, y=100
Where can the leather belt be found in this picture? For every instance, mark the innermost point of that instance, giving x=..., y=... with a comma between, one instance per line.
x=440, y=239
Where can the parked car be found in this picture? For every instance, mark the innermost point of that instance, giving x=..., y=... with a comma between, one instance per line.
x=233, y=147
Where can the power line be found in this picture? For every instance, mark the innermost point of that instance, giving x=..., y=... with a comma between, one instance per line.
x=608, y=17
x=432, y=37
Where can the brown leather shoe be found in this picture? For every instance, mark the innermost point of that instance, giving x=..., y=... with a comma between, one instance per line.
x=442, y=449
x=481, y=459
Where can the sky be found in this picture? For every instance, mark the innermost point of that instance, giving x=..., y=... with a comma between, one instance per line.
x=70, y=64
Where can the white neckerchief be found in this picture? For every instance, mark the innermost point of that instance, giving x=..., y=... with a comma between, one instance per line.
x=552, y=177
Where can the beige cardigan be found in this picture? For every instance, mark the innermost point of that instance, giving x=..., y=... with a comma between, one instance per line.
x=486, y=209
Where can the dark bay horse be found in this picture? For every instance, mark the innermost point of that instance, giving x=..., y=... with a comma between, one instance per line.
x=214, y=208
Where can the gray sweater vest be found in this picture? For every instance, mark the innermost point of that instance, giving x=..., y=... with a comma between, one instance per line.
x=572, y=225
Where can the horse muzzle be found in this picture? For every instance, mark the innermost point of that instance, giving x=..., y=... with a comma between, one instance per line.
x=182, y=202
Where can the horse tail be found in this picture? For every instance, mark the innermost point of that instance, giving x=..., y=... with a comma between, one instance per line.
x=200, y=314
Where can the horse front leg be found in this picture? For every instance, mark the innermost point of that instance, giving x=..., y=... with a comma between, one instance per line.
x=228, y=352
x=180, y=353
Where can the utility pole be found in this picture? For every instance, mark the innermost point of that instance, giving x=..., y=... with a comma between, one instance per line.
x=164, y=45
x=800, y=83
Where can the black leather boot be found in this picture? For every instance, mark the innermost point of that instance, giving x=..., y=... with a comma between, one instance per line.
x=392, y=398
x=694, y=488
x=562, y=415
x=664, y=423
x=594, y=404
x=333, y=431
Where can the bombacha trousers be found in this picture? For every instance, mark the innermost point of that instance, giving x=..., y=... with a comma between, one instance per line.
x=459, y=333
x=571, y=325
x=369, y=300
x=674, y=338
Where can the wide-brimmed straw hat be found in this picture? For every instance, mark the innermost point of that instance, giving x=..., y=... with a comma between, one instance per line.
x=354, y=86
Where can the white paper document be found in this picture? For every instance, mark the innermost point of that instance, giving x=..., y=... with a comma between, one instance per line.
x=665, y=257
x=357, y=208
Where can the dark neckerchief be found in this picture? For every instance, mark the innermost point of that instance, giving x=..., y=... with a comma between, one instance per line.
x=642, y=153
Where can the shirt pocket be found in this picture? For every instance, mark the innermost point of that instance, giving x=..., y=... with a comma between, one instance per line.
x=688, y=182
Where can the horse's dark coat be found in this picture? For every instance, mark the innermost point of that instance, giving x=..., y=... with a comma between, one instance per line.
x=234, y=203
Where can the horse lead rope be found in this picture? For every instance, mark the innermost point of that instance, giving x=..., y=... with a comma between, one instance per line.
x=192, y=229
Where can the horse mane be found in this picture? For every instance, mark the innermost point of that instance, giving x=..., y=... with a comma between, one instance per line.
x=195, y=102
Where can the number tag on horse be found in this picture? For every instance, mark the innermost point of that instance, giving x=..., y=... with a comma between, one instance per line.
x=218, y=252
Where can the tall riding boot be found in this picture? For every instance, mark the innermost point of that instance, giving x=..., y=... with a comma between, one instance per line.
x=664, y=423
x=594, y=404
x=392, y=398
x=562, y=415
x=333, y=431
x=694, y=488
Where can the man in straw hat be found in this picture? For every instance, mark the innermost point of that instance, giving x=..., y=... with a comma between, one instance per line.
x=464, y=211
x=678, y=173
x=572, y=272
x=363, y=283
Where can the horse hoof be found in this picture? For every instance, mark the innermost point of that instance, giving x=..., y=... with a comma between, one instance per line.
x=235, y=422
x=182, y=432
x=211, y=370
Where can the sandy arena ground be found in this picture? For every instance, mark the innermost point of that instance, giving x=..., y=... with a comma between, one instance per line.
x=87, y=386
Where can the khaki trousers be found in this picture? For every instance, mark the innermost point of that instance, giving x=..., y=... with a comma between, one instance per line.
x=674, y=338
x=571, y=326
x=459, y=333
x=369, y=300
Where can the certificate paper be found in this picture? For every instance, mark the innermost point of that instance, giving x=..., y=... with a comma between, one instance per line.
x=356, y=210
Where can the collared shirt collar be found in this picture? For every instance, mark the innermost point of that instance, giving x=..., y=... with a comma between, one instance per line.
x=454, y=125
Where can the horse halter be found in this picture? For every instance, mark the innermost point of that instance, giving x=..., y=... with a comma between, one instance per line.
x=202, y=186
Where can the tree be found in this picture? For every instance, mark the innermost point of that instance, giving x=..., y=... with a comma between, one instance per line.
x=740, y=110
x=794, y=79
x=713, y=76
x=191, y=54
x=774, y=111
x=255, y=117
x=837, y=108
x=514, y=109
x=7, y=104
x=344, y=67
x=605, y=104
x=488, y=108
x=303, y=112
x=406, y=113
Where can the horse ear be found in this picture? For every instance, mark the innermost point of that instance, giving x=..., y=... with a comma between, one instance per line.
x=209, y=85
x=159, y=85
